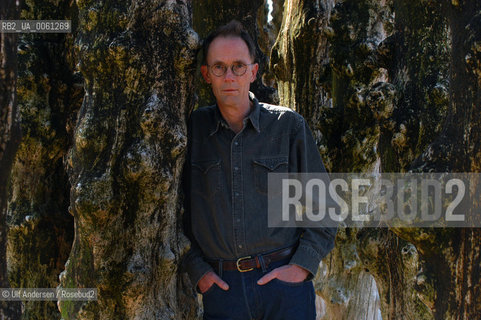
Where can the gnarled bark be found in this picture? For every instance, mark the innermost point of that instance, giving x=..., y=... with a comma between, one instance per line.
x=383, y=74
x=320, y=62
x=386, y=85
x=49, y=96
x=9, y=139
x=125, y=165
x=452, y=268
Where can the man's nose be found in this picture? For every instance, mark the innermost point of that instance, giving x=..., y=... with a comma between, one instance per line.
x=229, y=75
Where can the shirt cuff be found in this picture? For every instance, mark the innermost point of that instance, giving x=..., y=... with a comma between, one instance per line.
x=196, y=269
x=307, y=258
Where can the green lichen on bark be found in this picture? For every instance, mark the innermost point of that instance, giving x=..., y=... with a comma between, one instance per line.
x=385, y=85
x=138, y=61
x=395, y=264
x=345, y=285
x=355, y=29
x=10, y=135
x=419, y=75
x=452, y=262
x=385, y=100
x=49, y=95
x=322, y=61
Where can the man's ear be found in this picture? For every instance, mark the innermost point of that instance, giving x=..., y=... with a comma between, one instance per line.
x=205, y=73
x=255, y=67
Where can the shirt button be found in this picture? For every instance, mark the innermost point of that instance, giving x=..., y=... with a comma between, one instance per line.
x=237, y=194
x=236, y=143
x=238, y=220
x=240, y=246
x=236, y=168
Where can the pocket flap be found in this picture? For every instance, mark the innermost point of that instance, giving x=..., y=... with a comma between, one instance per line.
x=205, y=165
x=271, y=163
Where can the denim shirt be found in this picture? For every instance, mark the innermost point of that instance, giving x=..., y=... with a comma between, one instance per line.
x=226, y=187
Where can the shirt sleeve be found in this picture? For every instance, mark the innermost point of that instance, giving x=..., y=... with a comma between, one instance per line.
x=195, y=265
x=315, y=243
x=193, y=262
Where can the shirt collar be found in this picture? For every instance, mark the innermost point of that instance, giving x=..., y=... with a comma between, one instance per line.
x=253, y=116
x=256, y=110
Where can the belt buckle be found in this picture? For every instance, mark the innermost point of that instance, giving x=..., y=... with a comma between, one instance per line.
x=238, y=264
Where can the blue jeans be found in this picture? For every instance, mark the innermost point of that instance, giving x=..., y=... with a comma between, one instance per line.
x=246, y=300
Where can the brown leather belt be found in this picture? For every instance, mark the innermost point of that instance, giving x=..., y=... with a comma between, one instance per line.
x=250, y=263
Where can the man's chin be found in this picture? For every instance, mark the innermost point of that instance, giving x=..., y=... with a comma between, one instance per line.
x=229, y=100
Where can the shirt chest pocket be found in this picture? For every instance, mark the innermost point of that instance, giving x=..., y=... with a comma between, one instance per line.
x=206, y=176
x=264, y=166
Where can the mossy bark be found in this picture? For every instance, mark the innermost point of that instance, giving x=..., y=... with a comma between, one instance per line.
x=394, y=86
x=451, y=272
x=298, y=58
x=49, y=96
x=321, y=62
x=9, y=138
x=415, y=58
x=385, y=86
x=137, y=59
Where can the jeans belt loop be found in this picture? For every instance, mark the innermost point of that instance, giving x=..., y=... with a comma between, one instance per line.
x=220, y=268
x=263, y=265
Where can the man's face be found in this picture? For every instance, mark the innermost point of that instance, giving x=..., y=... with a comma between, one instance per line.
x=229, y=89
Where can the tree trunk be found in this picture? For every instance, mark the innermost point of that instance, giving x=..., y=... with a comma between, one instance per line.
x=299, y=56
x=385, y=85
x=320, y=62
x=126, y=161
x=9, y=139
x=409, y=107
x=49, y=96
x=372, y=79
x=452, y=267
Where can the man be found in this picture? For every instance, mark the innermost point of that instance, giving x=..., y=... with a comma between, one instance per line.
x=243, y=269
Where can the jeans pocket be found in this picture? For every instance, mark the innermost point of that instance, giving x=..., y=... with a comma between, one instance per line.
x=293, y=300
x=210, y=290
x=290, y=284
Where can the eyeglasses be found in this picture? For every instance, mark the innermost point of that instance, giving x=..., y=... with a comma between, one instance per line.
x=220, y=69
